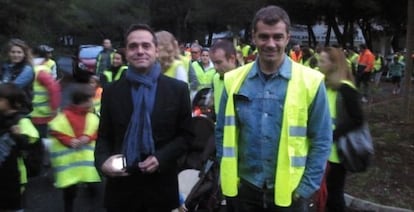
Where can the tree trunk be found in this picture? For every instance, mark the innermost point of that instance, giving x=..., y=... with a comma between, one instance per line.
x=337, y=32
x=311, y=36
x=409, y=61
x=328, y=34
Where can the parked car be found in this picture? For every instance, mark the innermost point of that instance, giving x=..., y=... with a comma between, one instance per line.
x=84, y=62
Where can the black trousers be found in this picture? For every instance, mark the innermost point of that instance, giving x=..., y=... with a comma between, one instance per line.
x=335, y=182
x=93, y=190
x=250, y=198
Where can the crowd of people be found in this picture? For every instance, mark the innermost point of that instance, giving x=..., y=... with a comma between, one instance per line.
x=126, y=125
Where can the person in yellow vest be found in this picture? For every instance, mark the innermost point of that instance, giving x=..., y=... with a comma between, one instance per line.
x=273, y=133
x=245, y=48
x=73, y=133
x=94, y=82
x=296, y=53
x=378, y=68
x=204, y=70
x=223, y=56
x=46, y=102
x=105, y=57
x=49, y=62
x=16, y=135
x=46, y=92
x=168, y=55
x=117, y=69
x=341, y=90
x=240, y=59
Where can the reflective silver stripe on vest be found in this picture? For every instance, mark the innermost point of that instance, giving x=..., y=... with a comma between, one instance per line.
x=73, y=165
x=40, y=104
x=298, y=161
x=297, y=131
x=69, y=151
x=229, y=121
x=40, y=93
x=229, y=152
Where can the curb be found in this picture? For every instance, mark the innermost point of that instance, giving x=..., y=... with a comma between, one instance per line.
x=359, y=204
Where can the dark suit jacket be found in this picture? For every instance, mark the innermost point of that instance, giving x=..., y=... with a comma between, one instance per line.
x=171, y=127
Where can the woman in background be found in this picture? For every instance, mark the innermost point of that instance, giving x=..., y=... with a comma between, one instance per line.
x=169, y=56
x=18, y=69
x=339, y=84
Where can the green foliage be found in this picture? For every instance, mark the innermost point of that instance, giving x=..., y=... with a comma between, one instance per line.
x=93, y=20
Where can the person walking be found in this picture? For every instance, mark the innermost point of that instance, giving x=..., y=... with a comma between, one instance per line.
x=273, y=133
x=340, y=85
x=143, y=131
x=365, y=66
x=396, y=69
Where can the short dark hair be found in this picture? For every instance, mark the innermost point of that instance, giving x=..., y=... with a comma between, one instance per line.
x=145, y=27
x=16, y=97
x=81, y=93
x=271, y=15
x=226, y=46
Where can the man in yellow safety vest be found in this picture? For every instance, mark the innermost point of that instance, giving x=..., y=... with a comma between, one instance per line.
x=273, y=133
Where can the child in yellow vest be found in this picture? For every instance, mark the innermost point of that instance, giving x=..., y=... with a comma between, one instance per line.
x=17, y=133
x=73, y=133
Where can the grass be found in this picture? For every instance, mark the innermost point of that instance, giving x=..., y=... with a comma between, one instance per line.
x=389, y=181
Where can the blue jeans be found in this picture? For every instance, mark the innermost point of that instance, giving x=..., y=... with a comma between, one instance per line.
x=251, y=198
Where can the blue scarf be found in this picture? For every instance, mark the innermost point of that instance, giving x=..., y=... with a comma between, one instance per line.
x=138, y=138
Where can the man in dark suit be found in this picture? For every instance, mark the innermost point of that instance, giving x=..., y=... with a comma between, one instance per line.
x=144, y=128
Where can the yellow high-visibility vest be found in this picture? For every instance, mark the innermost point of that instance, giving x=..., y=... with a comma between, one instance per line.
x=41, y=107
x=110, y=76
x=73, y=166
x=172, y=70
x=26, y=128
x=218, y=86
x=332, y=96
x=293, y=145
x=205, y=77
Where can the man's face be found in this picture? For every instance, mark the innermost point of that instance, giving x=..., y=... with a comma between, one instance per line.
x=195, y=53
x=221, y=63
x=141, y=51
x=107, y=44
x=296, y=48
x=271, y=41
x=205, y=57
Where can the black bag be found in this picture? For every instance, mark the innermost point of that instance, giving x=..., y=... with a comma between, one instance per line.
x=355, y=148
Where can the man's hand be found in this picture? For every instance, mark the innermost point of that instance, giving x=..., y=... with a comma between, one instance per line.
x=109, y=169
x=149, y=165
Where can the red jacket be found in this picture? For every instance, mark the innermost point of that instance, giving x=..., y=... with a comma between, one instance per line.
x=53, y=89
x=77, y=118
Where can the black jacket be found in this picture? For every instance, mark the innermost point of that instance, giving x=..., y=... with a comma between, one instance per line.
x=171, y=127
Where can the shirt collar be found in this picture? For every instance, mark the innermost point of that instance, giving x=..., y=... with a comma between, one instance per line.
x=285, y=69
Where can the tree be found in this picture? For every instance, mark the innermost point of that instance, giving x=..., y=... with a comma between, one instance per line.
x=409, y=61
